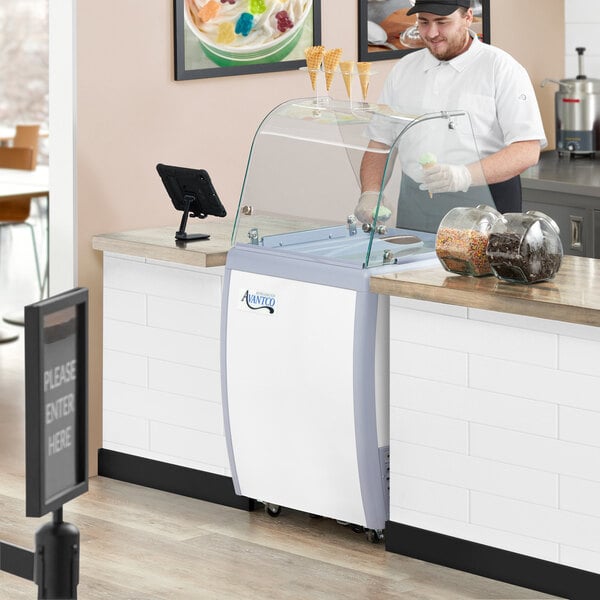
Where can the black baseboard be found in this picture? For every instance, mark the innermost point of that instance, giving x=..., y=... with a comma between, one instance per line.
x=487, y=561
x=171, y=478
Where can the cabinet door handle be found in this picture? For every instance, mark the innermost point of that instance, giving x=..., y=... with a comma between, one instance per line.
x=576, y=231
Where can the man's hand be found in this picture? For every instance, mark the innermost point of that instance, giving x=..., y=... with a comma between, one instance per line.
x=446, y=178
x=366, y=207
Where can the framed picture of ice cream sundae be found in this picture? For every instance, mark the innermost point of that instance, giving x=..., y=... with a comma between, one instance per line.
x=214, y=38
x=386, y=31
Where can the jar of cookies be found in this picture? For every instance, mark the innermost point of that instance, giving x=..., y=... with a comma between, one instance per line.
x=525, y=247
x=462, y=239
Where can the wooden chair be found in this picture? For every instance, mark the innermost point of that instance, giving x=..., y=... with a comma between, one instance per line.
x=16, y=158
x=27, y=136
x=16, y=211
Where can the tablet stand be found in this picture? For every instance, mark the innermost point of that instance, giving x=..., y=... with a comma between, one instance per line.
x=181, y=234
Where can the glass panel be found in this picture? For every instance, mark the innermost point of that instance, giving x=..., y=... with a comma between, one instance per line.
x=303, y=181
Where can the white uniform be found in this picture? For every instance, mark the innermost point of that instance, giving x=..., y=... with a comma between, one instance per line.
x=495, y=91
x=484, y=81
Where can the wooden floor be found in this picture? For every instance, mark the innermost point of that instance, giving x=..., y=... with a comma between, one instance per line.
x=139, y=543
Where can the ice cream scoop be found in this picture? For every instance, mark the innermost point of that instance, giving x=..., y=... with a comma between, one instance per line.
x=384, y=213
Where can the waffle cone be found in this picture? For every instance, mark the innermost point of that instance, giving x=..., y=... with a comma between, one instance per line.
x=364, y=75
x=428, y=166
x=347, y=69
x=331, y=59
x=314, y=58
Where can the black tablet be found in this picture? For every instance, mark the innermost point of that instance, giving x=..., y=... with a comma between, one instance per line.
x=192, y=192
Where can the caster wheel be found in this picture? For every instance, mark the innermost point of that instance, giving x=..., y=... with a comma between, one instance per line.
x=273, y=510
x=357, y=528
x=374, y=536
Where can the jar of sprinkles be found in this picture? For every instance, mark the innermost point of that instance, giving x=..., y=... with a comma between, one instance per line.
x=462, y=239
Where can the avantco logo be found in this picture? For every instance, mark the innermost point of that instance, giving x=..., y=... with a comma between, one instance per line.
x=260, y=301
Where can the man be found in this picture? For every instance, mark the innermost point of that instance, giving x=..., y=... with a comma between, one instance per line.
x=457, y=72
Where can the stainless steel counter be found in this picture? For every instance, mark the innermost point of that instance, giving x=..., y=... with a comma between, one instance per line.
x=568, y=190
x=568, y=175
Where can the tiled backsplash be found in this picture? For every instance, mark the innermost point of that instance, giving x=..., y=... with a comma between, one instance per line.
x=582, y=20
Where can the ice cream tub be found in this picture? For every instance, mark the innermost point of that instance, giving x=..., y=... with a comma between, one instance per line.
x=246, y=32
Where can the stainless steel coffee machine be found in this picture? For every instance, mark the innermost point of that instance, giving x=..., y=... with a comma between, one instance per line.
x=577, y=111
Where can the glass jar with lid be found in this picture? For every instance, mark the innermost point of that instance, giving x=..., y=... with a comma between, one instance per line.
x=462, y=239
x=525, y=247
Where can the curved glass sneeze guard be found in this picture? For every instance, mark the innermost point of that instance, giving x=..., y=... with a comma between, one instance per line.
x=302, y=182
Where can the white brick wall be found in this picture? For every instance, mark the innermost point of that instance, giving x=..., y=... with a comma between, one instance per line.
x=161, y=382
x=494, y=430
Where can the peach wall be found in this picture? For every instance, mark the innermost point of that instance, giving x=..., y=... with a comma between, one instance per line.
x=131, y=114
x=534, y=33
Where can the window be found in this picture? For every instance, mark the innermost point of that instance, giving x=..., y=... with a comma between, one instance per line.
x=24, y=65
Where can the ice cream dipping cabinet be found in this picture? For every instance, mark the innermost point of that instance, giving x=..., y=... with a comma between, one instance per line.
x=304, y=343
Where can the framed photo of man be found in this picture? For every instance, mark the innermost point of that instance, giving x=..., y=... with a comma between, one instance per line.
x=385, y=31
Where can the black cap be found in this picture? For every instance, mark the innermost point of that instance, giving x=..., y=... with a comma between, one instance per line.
x=438, y=7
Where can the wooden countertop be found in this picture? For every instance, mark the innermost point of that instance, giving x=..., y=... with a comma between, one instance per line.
x=572, y=296
x=160, y=244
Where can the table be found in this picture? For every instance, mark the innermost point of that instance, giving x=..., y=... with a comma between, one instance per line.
x=36, y=178
x=20, y=183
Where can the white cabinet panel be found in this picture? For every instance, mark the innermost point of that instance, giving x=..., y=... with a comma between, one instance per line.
x=477, y=406
x=175, y=378
x=188, y=317
x=472, y=473
x=429, y=430
x=125, y=368
x=429, y=497
x=124, y=306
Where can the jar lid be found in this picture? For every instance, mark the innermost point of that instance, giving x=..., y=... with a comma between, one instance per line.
x=480, y=217
x=540, y=215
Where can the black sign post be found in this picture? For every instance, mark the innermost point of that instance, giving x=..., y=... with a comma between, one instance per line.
x=56, y=414
x=56, y=433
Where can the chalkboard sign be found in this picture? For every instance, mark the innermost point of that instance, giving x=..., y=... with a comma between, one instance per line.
x=56, y=401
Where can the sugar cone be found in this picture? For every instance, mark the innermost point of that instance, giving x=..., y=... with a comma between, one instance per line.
x=347, y=69
x=427, y=161
x=314, y=58
x=364, y=74
x=331, y=60
x=428, y=166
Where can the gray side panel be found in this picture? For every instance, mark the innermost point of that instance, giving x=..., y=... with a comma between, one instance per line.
x=224, y=397
x=365, y=418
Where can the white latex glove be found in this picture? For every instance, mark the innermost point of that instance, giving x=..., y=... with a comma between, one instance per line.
x=365, y=209
x=446, y=178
